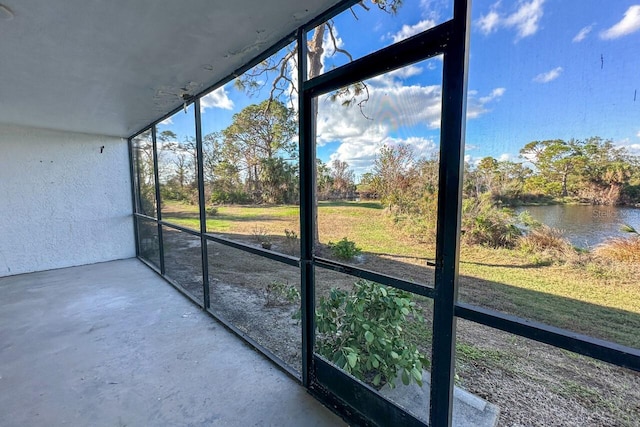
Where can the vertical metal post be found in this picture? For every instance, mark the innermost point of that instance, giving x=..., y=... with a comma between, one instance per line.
x=135, y=194
x=201, y=201
x=307, y=218
x=448, y=232
x=158, y=203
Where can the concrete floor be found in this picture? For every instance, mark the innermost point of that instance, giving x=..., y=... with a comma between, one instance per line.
x=113, y=344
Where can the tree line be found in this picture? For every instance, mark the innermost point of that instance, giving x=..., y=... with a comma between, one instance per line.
x=592, y=170
x=252, y=161
x=255, y=161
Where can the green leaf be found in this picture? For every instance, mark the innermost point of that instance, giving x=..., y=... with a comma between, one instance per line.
x=376, y=380
x=353, y=359
x=404, y=310
x=405, y=377
x=394, y=355
x=369, y=337
x=417, y=375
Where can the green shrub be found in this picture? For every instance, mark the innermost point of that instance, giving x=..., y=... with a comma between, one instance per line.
x=363, y=332
x=230, y=197
x=278, y=293
x=212, y=211
x=485, y=224
x=345, y=249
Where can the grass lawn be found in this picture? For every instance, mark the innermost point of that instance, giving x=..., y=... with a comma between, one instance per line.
x=584, y=299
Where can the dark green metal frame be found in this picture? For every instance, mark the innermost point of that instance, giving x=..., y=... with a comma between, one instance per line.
x=353, y=399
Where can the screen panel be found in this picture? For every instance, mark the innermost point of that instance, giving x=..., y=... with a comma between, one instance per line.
x=552, y=168
x=177, y=169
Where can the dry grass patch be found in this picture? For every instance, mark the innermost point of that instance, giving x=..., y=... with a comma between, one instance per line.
x=546, y=240
x=626, y=250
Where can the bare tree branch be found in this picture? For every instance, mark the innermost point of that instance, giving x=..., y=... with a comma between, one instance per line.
x=335, y=43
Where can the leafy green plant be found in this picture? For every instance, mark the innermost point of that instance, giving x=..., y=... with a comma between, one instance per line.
x=344, y=249
x=362, y=332
x=212, y=211
x=486, y=224
x=279, y=293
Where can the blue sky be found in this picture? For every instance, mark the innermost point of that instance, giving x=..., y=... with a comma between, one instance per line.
x=539, y=69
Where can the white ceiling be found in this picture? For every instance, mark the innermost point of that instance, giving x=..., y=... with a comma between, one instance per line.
x=110, y=66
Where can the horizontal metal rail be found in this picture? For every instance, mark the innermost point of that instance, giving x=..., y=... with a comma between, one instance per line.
x=384, y=279
x=285, y=259
x=180, y=228
x=417, y=48
x=585, y=345
x=143, y=216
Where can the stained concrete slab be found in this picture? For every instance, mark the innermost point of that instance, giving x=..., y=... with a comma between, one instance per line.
x=113, y=344
x=469, y=410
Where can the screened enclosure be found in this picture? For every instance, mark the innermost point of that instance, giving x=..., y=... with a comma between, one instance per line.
x=322, y=204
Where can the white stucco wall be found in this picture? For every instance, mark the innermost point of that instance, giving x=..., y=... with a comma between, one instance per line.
x=63, y=202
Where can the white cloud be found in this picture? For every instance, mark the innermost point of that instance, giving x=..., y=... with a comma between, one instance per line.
x=477, y=106
x=390, y=113
x=525, y=19
x=472, y=160
x=548, y=76
x=167, y=121
x=219, y=98
x=504, y=157
x=406, y=72
x=394, y=78
x=496, y=93
x=411, y=30
x=638, y=134
x=635, y=147
x=434, y=8
x=583, y=33
x=630, y=23
x=489, y=23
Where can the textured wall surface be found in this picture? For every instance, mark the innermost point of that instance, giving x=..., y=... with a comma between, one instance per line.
x=65, y=199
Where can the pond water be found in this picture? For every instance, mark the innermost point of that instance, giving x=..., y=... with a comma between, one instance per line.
x=586, y=226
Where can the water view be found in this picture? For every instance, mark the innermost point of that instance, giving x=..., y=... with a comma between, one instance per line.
x=586, y=226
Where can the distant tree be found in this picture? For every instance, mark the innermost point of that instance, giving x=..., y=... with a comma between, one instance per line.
x=592, y=169
x=278, y=71
x=366, y=186
x=393, y=169
x=502, y=179
x=143, y=154
x=343, y=179
x=555, y=160
x=279, y=180
x=260, y=132
x=177, y=166
x=324, y=180
x=605, y=172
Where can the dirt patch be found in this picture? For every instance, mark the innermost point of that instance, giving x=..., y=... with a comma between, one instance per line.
x=532, y=383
